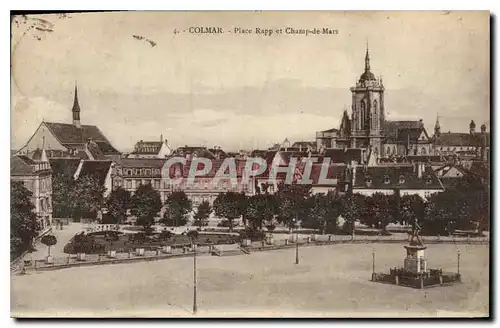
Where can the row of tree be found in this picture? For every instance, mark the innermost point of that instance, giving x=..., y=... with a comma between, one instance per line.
x=464, y=206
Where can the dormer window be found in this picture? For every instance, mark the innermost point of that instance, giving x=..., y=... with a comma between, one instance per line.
x=402, y=179
x=368, y=181
x=387, y=179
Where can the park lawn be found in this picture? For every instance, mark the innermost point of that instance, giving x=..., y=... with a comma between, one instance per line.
x=330, y=281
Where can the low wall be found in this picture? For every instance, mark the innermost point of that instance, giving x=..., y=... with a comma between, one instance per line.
x=150, y=255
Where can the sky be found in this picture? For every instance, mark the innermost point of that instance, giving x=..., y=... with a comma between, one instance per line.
x=238, y=90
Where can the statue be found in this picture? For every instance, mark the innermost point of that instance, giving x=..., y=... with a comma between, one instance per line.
x=415, y=229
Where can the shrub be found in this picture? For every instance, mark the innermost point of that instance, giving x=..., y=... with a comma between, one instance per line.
x=270, y=227
x=224, y=224
x=193, y=234
x=252, y=234
x=108, y=219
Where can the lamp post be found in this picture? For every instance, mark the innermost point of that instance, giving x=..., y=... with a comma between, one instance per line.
x=195, y=306
x=373, y=263
x=296, y=243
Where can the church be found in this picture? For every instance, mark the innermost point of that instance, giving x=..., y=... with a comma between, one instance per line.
x=69, y=140
x=367, y=127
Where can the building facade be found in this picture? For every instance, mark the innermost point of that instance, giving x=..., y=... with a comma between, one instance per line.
x=36, y=176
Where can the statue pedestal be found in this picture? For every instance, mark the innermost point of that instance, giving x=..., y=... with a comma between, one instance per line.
x=415, y=260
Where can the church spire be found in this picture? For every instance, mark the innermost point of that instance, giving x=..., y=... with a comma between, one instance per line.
x=76, y=109
x=367, y=59
x=437, y=127
x=367, y=75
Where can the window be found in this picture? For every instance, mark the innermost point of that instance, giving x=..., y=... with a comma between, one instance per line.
x=148, y=171
x=368, y=181
x=401, y=179
x=428, y=179
x=387, y=179
x=423, y=151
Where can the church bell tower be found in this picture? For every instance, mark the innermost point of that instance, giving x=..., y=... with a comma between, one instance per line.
x=368, y=115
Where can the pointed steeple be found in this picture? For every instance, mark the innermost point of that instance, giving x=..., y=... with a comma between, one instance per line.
x=437, y=127
x=367, y=59
x=76, y=109
x=367, y=75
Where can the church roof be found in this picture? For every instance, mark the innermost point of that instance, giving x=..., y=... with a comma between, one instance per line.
x=463, y=139
x=68, y=134
x=367, y=76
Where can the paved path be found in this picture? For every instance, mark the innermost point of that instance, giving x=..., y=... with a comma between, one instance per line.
x=63, y=237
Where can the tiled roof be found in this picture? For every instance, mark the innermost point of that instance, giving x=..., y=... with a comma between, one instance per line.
x=21, y=165
x=99, y=169
x=330, y=130
x=406, y=135
x=107, y=148
x=399, y=177
x=391, y=128
x=64, y=165
x=304, y=144
x=147, y=147
x=94, y=150
x=345, y=156
x=141, y=162
x=216, y=164
x=463, y=139
x=198, y=151
x=68, y=134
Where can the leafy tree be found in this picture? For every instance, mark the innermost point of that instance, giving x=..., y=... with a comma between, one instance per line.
x=243, y=203
x=381, y=209
x=353, y=208
x=292, y=201
x=145, y=204
x=202, y=214
x=260, y=210
x=411, y=209
x=62, y=195
x=323, y=214
x=178, y=205
x=228, y=206
x=49, y=240
x=24, y=225
x=87, y=196
x=117, y=202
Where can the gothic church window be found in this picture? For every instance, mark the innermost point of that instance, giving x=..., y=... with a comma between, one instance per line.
x=374, y=116
x=363, y=114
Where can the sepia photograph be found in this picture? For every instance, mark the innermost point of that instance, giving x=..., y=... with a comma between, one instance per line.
x=250, y=164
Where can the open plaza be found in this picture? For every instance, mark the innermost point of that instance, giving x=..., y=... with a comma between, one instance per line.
x=330, y=281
